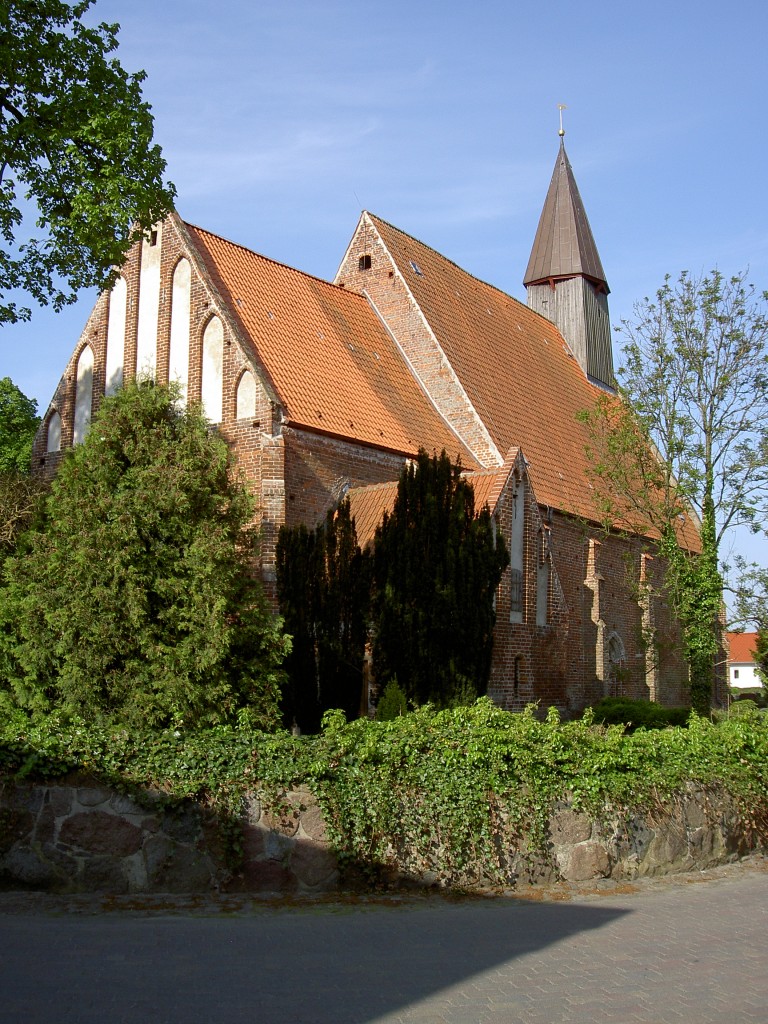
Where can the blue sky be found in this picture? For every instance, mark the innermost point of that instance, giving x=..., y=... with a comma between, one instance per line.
x=280, y=121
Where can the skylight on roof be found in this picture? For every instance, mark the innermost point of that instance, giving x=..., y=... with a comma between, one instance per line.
x=416, y=268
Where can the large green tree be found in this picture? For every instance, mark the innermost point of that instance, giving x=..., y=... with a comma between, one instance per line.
x=135, y=598
x=18, y=425
x=19, y=491
x=76, y=154
x=436, y=566
x=685, y=452
x=323, y=589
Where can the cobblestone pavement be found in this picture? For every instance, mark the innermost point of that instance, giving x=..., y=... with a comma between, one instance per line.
x=691, y=949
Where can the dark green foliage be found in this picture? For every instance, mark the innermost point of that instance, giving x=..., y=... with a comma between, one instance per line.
x=297, y=572
x=77, y=159
x=695, y=587
x=638, y=714
x=19, y=492
x=20, y=500
x=135, y=598
x=322, y=585
x=745, y=704
x=18, y=425
x=436, y=567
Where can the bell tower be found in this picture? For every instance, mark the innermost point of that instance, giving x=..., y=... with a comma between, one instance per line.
x=565, y=280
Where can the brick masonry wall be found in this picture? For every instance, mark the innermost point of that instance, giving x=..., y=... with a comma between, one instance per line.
x=601, y=589
x=319, y=470
x=530, y=662
x=390, y=296
x=594, y=592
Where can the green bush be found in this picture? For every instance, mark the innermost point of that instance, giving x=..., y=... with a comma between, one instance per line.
x=134, y=597
x=754, y=694
x=440, y=783
x=638, y=714
x=392, y=703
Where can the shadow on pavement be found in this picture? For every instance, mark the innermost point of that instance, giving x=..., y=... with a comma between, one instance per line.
x=322, y=963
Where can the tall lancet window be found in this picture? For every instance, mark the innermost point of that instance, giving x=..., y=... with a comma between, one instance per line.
x=83, y=395
x=149, y=302
x=246, y=396
x=53, y=440
x=542, y=577
x=213, y=370
x=178, y=363
x=517, y=552
x=116, y=336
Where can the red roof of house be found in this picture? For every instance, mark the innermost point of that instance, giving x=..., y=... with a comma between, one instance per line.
x=331, y=362
x=741, y=648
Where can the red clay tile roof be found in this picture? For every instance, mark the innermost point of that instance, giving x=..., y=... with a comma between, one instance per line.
x=368, y=504
x=514, y=365
x=741, y=648
x=330, y=360
x=487, y=485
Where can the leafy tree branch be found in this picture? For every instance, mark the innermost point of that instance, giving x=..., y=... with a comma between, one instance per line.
x=682, y=454
x=76, y=145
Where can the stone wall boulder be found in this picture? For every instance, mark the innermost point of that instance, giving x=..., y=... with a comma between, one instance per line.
x=77, y=835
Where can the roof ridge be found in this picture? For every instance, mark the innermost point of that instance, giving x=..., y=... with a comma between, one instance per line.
x=274, y=262
x=453, y=263
x=374, y=487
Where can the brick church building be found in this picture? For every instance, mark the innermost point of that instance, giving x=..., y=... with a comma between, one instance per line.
x=324, y=390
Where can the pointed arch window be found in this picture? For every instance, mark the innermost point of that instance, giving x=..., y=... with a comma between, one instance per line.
x=517, y=552
x=617, y=658
x=246, y=396
x=149, y=303
x=83, y=395
x=178, y=360
x=542, y=577
x=118, y=301
x=213, y=370
x=53, y=433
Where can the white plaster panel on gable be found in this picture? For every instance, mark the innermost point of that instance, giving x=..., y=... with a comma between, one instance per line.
x=178, y=360
x=83, y=395
x=246, y=396
x=53, y=441
x=149, y=302
x=213, y=370
x=517, y=547
x=116, y=336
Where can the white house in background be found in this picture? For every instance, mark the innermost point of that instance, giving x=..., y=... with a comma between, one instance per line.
x=742, y=671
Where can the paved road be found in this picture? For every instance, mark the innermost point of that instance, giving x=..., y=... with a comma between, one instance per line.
x=682, y=952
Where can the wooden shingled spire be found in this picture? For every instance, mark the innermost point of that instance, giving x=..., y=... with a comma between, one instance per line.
x=565, y=279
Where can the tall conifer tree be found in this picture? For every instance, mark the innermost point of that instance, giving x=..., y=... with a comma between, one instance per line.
x=322, y=584
x=135, y=598
x=436, y=567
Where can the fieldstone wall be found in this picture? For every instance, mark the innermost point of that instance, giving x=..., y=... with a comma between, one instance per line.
x=74, y=835
x=77, y=836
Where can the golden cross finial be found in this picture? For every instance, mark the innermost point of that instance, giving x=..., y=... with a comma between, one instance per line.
x=561, y=107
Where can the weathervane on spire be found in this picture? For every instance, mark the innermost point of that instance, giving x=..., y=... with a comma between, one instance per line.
x=561, y=107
